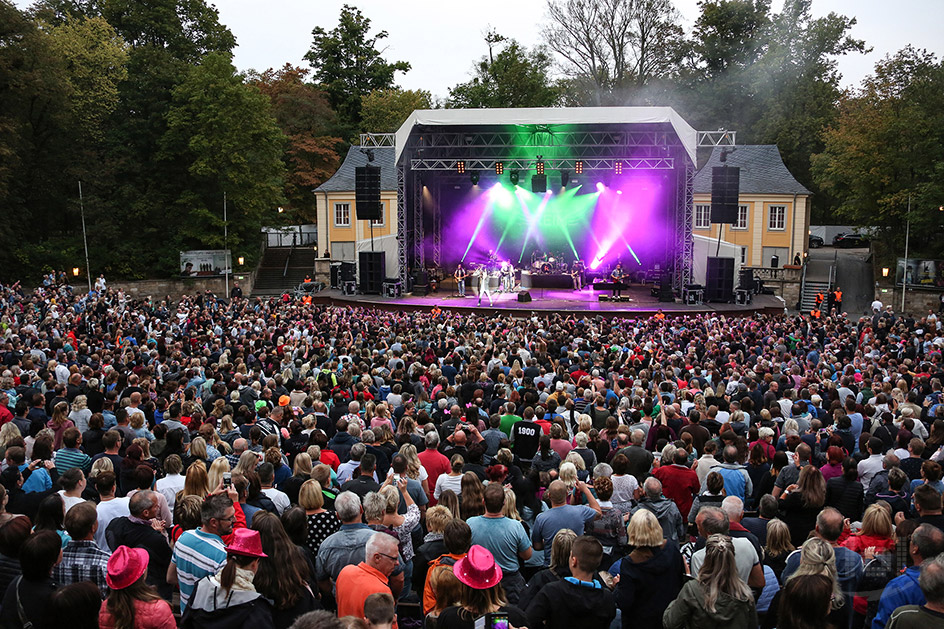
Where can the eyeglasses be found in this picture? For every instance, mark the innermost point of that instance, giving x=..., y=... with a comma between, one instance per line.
x=231, y=518
x=395, y=559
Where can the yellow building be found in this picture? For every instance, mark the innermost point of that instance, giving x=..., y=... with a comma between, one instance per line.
x=773, y=210
x=339, y=231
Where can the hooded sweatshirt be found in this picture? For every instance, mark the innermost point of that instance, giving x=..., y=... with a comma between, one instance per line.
x=646, y=588
x=689, y=611
x=571, y=603
x=673, y=526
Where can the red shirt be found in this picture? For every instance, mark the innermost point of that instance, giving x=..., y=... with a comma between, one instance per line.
x=545, y=425
x=436, y=464
x=330, y=458
x=680, y=485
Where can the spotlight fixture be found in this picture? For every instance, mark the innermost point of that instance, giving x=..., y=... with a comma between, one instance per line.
x=474, y=177
x=460, y=168
x=499, y=168
x=539, y=165
x=514, y=178
x=618, y=168
x=565, y=178
x=578, y=167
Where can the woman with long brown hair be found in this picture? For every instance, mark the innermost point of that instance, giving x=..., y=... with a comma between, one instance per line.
x=59, y=423
x=472, y=496
x=801, y=502
x=132, y=603
x=283, y=578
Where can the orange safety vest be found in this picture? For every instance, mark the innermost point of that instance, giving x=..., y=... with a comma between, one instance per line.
x=815, y=314
x=659, y=316
x=837, y=295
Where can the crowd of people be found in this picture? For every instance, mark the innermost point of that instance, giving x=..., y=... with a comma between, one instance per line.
x=266, y=463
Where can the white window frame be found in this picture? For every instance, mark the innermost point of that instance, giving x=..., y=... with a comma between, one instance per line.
x=742, y=214
x=702, y=212
x=772, y=225
x=339, y=206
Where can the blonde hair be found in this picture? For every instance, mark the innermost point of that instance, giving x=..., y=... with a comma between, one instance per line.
x=568, y=474
x=392, y=495
x=560, y=548
x=80, y=403
x=310, y=496
x=818, y=557
x=408, y=450
x=196, y=482
x=137, y=420
x=510, y=509
x=437, y=518
x=8, y=433
x=577, y=460
x=248, y=461
x=778, y=538
x=644, y=530
x=876, y=521
x=101, y=465
x=302, y=465
x=718, y=574
x=215, y=474
x=198, y=448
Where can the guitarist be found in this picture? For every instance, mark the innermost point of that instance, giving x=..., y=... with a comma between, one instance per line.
x=460, y=279
x=577, y=271
x=617, y=276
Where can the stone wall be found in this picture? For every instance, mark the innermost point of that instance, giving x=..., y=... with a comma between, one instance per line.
x=917, y=302
x=177, y=287
x=785, y=281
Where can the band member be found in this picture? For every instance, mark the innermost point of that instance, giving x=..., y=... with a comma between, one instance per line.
x=617, y=277
x=484, y=289
x=577, y=271
x=508, y=277
x=460, y=279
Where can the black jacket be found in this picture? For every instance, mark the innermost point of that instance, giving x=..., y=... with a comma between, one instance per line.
x=646, y=588
x=210, y=608
x=848, y=496
x=564, y=605
x=122, y=531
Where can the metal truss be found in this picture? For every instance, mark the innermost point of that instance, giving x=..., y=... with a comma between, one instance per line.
x=629, y=163
x=378, y=140
x=721, y=137
x=419, y=251
x=684, y=240
x=401, y=223
x=437, y=228
x=544, y=139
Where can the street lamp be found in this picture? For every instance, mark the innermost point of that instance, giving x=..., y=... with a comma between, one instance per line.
x=75, y=271
x=241, y=260
x=884, y=271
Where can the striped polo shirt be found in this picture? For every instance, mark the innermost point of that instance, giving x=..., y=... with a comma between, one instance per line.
x=196, y=555
x=67, y=458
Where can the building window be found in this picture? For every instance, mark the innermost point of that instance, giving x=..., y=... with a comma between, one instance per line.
x=743, y=255
x=741, y=222
x=778, y=218
x=342, y=214
x=702, y=216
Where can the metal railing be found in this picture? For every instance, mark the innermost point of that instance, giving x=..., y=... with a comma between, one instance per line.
x=288, y=259
x=776, y=273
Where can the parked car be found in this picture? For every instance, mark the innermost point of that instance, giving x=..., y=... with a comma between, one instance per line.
x=816, y=242
x=850, y=241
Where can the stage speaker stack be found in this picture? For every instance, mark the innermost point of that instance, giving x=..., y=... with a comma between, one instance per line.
x=746, y=280
x=538, y=183
x=719, y=279
x=367, y=193
x=420, y=283
x=524, y=296
x=372, y=272
x=725, y=188
x=665, y=288
x=336, y=275
x=348, y=272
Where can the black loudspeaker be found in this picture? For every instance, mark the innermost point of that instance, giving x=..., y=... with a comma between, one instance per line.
x=719, y=279
x=725, y=187
x=539, y=183
x=348, y=272
x=336, y=275
x=665, y=288
x=367, y=193
x=372, y=266
x=524, y=296
x=746, y=280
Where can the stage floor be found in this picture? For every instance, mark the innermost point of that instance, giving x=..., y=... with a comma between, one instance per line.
x=548, y=300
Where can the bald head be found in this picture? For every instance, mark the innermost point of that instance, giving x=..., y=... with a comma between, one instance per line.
x=557, y=493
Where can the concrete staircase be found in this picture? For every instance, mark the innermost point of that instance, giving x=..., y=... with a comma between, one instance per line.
x=282, y=269
x=808, y=297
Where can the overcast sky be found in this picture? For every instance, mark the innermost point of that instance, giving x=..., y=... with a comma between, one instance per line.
x=442, y=38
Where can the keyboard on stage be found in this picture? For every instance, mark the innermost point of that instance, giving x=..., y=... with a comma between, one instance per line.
x=610, y=286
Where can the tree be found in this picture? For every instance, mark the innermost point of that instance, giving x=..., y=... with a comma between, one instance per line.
x=347, y=63
x=888, y=144
x=313, y=144
x=728, y=35
x=615, y=47
x=383, y=111
x=213, y=155
x=515, y=77
x=96, y=63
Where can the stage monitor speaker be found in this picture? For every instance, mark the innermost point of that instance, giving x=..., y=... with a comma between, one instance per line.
x=719, y=279
x=539, y=183
x=524, y=296
x=348, y=272
x=725, y=187
x=372, y=272
x=746, y=280
x=367, y=193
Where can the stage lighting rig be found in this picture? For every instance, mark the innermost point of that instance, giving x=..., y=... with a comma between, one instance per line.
x=499, y=168
x=618, y=168
x=565, y=178
x=539, y=165
x=578, y=167
x=460, y=168
x=474, y=176
x=514, y=178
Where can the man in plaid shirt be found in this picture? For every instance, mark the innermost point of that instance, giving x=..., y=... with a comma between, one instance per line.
x=82, y=559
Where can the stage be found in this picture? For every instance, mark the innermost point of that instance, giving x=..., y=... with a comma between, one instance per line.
x=640, y=303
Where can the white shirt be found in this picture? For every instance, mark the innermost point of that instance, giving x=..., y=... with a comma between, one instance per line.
x=869, y=467
x=108, y=510
x=744, y=558
x=445, y=482
x=70, y=501
x=278, y=498
x=169, y=486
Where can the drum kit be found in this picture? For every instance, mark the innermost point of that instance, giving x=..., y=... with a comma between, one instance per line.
x=548, y=263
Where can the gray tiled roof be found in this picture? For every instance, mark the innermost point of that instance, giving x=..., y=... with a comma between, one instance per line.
x=343, y=179
x=762, y=171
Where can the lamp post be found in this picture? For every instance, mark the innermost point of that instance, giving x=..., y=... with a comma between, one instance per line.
x=84, y=238
x=225, y=249
x=904, y=275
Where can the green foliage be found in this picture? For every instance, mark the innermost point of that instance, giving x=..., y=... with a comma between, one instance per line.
x=383, y=111
x=348, y=64
x=887, y=145
x=214, y=157
x=515, y=77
